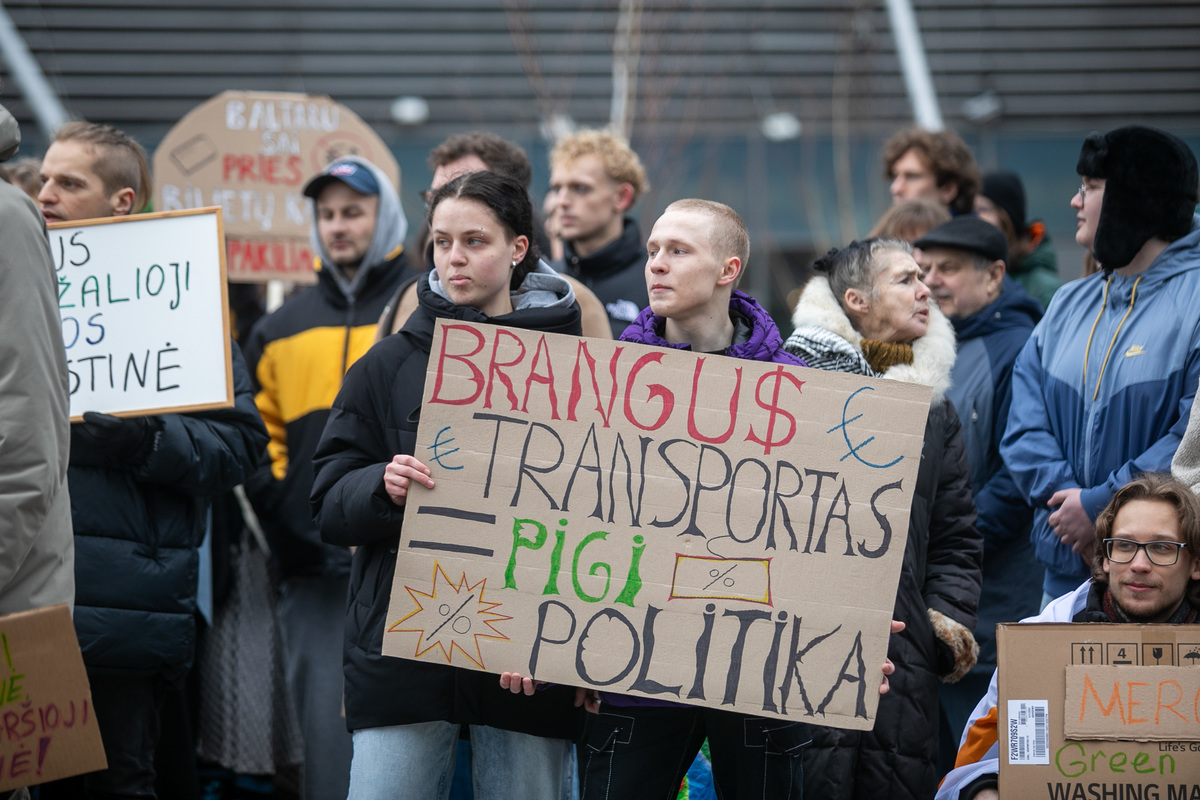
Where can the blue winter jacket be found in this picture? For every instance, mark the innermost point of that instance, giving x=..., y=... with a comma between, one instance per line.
x=981, y=390
x=1103, y=389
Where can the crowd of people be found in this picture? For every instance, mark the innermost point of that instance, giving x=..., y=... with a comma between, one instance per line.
x=1043, y=490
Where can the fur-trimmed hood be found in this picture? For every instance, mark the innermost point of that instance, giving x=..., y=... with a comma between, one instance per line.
x=933, y=353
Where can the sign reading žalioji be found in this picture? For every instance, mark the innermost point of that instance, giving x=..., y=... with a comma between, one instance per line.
x=145, y=320
x=661, y=523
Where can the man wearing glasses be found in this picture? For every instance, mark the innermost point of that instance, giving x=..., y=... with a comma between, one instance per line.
x=1145, y=569
x=1103, y=388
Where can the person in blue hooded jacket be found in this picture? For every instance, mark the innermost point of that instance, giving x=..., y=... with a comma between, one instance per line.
x=965, y=262
x=1103, y=389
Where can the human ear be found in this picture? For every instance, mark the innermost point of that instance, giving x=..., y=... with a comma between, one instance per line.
x=624, y=196
x=520, y=246
x=856, y=301
x=995, y=274
x=947, y=193
x=730, y=271
x=121, y=201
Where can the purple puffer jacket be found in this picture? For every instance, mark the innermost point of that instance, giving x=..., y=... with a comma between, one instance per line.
x=764, y=344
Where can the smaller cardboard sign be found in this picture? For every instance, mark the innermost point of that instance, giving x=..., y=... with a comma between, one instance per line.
x=144, y=312
x=47, y=723
x=1143, y=703
x=251, y=153
x=1093, y=710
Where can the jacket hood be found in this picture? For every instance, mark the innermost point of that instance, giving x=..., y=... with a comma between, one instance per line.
x=1012, y=309
x=933, y=353
x=762, y=342
x=542, y=288
x=391, y=226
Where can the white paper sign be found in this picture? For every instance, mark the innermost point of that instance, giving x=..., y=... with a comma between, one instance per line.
x=144, y=312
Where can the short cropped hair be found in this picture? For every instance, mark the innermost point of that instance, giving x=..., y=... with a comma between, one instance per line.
x=727, y=235
x=621, y=164
x=911, y=219
x=501, y=156
x=120, y=162
x=1159, y=488
x=948, y=158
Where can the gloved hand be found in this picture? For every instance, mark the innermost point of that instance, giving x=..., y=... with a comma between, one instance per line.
x=957, y=644
x=126, y=438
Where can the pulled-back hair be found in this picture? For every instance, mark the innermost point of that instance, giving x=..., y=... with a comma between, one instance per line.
x=727, y=234
x=508, y=202
x=856, y=265
x=120, y=162
x=911, y=219
x=948, y=157
x=1160, y=488
x=501, y=156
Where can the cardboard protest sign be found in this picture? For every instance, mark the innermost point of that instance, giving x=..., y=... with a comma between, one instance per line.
x=1095, y=710
x=251, y=154
x=654, y=522
x=47, y=723
x=144, y=312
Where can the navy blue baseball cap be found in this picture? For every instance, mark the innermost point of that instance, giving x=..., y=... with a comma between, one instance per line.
x=355, y=175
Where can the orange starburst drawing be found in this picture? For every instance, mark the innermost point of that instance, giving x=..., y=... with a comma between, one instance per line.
x=455, y=620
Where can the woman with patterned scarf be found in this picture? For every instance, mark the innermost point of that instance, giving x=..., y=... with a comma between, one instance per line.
x=867, y=312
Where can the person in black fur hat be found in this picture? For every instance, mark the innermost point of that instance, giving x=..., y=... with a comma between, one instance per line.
x=1145, y=183
x=1104, y=387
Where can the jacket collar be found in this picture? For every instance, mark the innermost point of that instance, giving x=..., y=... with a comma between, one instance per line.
x=617, y=255
x=933, y=353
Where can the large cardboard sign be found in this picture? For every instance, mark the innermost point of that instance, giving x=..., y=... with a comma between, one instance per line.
x=251, y=154
x=686, y=527
x=144, y=312
x=1094, y=710
x=47, y=722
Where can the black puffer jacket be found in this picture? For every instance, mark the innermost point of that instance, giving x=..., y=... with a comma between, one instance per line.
x=137, y=526
x=616, y=273
x=375, y=417
x=941, y=571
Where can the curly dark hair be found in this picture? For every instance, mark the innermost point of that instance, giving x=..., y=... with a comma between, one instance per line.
x=948, y=158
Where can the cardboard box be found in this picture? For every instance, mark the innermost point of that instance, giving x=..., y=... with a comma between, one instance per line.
x=47, y=723
x=1097, y=711
x=674, y=525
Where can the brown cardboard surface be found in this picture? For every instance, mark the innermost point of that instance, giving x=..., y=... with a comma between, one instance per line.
x=1143, y=703
x=1042, y=670
x=47, y=724
x=654, y=522
x=251, y=153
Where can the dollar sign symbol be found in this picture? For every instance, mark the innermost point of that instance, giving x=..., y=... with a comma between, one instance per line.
x=773, y=410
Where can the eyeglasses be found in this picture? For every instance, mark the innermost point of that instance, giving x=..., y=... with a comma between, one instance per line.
x=1082, y=192
x=426, y=194
x=1122, y=551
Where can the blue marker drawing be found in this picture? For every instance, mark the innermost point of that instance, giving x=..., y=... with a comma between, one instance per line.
x=439, y=442
x=846, y=435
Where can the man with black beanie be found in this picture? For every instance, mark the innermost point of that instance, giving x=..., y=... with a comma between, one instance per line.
x=1032, y=261
x=1103, y=389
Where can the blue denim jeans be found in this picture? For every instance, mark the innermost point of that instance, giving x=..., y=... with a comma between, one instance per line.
x=416, y=762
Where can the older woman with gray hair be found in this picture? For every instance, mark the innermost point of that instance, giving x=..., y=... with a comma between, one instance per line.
x=867, y=312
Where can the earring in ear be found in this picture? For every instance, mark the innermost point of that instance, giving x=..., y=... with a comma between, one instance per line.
x=514, y=266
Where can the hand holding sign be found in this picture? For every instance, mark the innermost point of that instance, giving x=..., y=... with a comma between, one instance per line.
x=399, y=475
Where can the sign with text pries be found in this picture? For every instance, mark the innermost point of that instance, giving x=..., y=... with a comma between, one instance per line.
x=666, y=524
x=144, y=312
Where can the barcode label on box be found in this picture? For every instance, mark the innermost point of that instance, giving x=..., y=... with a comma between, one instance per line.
x=1028, y=732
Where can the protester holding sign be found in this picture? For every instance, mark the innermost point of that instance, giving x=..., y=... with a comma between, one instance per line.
x=36, y=549
x=298, y=356
x=1145, y=569
x=140, y=490
x=405, y=714
x=867, y=312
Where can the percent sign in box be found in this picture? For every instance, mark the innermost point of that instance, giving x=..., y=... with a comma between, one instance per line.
x=713, y=578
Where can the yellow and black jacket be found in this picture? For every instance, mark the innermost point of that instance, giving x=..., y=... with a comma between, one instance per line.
x=298, y=357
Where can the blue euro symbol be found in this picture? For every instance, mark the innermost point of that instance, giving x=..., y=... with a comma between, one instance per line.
x=845, y=427
x=439, y=442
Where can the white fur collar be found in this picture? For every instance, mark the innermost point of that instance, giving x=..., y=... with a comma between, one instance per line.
x=933, y=353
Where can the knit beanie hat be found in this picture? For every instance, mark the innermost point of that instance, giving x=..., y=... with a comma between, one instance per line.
x=1006, y=191
x=1150, y=189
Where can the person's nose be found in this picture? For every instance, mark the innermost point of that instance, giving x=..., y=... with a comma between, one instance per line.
x=47, y=194
x=922, y=290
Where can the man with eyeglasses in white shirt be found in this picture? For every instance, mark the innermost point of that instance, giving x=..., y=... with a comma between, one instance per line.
x=1146, y=569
